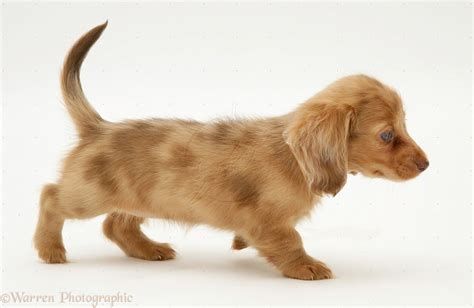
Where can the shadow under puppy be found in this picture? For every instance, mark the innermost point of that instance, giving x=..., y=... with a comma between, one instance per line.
x=257, y=178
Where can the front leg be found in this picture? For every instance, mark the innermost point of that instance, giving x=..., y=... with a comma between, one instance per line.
x=283, y=248
x=239, y=243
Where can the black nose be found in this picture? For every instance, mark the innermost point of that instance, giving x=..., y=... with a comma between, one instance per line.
x=422, y=164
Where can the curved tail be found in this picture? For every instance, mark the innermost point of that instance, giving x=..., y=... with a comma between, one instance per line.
x=85, y=118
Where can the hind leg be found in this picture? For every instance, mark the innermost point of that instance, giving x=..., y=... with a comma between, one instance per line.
x=124, y=230
x=48, y=238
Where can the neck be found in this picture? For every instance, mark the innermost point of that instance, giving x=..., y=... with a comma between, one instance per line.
x=281, y=156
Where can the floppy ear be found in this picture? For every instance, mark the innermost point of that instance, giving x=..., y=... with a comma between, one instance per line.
x=318, y=137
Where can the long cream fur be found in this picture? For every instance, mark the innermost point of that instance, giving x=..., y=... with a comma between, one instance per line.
x=256, y=178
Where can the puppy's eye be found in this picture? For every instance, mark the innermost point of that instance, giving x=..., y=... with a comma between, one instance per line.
x=386, y=136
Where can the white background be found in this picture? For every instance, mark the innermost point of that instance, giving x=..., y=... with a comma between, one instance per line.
x=387, y=243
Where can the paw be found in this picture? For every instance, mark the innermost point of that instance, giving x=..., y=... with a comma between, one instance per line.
x=313, y=270
x=239, y=243
x=53, y=255
x=154, y=252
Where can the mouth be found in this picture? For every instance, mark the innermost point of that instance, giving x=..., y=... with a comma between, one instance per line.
x=378, y=173
x=392, y=176
x=406, y=173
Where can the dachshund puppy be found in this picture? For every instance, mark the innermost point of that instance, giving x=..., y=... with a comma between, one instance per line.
x=256, y=178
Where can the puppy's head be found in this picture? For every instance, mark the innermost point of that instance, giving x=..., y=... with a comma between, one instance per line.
x=356, y=124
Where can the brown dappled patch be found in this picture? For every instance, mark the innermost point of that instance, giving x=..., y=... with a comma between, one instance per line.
x=181, y=156
x=233, y=133
x=99, y=168
x=217, y=133
x=140, y=134
x=244, y=189
x=247, y=136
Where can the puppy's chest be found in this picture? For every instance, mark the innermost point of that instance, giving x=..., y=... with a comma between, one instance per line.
x=306, y=207
x=300, y=207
